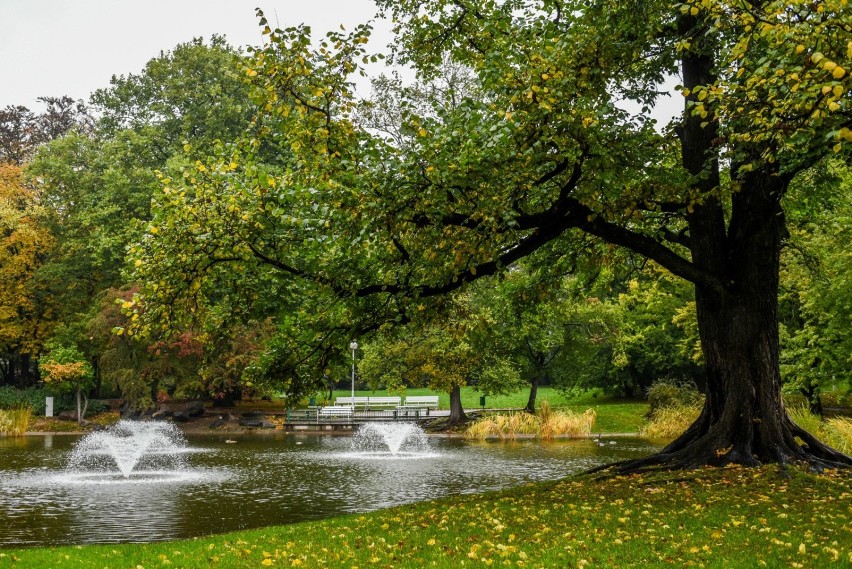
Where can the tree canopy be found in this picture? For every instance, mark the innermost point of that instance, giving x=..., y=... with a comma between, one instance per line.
x=540, y=155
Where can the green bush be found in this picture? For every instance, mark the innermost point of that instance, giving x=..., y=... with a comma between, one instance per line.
x=14, y=398
x=96, y=406
x=33, y=398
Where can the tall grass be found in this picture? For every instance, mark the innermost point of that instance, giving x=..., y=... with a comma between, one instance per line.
x=546, y=424
x=835, y=432
x=670, y=421
x=673, y=405
x=15, y=421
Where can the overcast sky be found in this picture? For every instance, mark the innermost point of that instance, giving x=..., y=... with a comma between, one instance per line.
x=72, y=47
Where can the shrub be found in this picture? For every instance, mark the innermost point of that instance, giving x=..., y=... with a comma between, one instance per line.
x=96, y=406
x=14, y=398
x=33, y=398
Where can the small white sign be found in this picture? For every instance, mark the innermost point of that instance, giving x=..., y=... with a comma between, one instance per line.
x=48, y=406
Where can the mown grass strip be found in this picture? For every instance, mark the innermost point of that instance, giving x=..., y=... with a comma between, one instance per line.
x=707, y=518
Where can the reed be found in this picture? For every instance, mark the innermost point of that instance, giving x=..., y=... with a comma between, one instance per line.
x=835, y=432
x=840, y=433
x=564, y=423
x=546, y=424
x=15, y=422
x=670, y=421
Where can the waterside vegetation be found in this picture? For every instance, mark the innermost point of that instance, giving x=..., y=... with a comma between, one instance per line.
x=15, y=422
x=546, y=424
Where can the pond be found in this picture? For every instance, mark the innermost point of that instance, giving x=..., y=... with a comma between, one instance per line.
x=252, y=481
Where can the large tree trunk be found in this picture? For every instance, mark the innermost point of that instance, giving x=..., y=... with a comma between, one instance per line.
x=457, y=414
x=743, y=420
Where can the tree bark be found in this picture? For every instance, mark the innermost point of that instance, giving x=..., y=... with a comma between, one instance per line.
x=457, y=414
x=530, y=408
x=743, y=420
x=81, y=408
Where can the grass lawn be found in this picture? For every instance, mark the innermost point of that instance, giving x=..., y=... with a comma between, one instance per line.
x=715, y=518
x=470, y=397
x=613, y=415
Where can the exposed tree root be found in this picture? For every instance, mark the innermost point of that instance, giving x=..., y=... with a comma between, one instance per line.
x=702, y=446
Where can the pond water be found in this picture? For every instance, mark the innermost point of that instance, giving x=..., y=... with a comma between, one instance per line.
x=261, y=480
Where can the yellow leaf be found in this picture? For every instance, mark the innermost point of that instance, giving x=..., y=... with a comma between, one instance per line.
x=838, y=72
x=422, y=131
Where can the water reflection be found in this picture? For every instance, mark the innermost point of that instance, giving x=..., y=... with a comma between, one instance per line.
x=261, y=480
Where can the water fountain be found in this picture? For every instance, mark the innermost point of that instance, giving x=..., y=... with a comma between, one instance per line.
x=391, y=440
x=129, y=451
x=180, y=491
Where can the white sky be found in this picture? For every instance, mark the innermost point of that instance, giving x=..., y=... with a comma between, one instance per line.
x=73, y=47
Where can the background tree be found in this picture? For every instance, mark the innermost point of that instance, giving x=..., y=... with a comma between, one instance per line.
x=22, y=131
x=527, y=322
x=66, y=369
x=440, y=353
x=96, y=186
x=650, y=323
x=815, y=277
x=230, y=350
x=27, y=313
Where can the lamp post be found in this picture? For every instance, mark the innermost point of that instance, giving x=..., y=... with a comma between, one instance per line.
x=353, y=345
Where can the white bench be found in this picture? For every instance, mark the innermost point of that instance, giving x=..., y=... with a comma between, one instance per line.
x=371, y=402
x=359, y=401
x=334, y=412
x=392, y=402
x=421, y=402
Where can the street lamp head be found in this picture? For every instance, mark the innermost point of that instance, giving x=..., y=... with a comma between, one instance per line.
x=353, y=345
